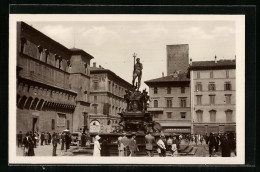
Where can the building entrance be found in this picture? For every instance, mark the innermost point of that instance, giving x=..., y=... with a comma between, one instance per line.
x=34, y=124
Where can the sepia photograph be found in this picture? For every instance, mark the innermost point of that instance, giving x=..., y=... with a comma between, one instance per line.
x=126, y=89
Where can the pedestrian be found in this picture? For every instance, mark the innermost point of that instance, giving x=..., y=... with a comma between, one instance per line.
x=83, y=139
x=31, y=147
x=54, y=143
x=225, y=146
x=62, y=141
x=20, y=138
x=206, y=138
x=35, y=136
x=67, y=141
x=120, y=147
x=49, y=138
x=105, y=147
x=174, y=147
x=169, y=143
x=149, y=141
x=26, y=144
x=216, y=142
x=124, y=144
x=201, y=139
x=161, y=147
x=42, y=138
x=196, y=139
x=46, y=137
x=212, y=143
x=97, y=148
x=133, y=146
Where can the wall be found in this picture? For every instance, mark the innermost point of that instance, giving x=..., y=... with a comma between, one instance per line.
x=219, y=78
x=25, y=117
x=177, y=58
x=176, y=109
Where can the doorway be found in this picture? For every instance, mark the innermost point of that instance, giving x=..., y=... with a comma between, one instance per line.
x=34, y=124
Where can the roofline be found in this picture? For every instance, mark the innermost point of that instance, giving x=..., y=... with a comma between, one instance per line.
x=42, y=34
x=97, y=71
x=212, y=67
x=80, y=52
x=69, y=51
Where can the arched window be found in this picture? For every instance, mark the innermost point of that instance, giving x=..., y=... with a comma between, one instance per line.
x=28, y=103
x=22, y=102
x=155, y=103
x=35, y=101
x=39, y=106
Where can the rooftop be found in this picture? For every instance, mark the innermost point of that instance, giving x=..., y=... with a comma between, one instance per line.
x=76, y=51
x=219, y=64
x=176, y=77
x=97, y=70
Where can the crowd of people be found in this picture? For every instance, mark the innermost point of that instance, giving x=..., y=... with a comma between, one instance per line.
x=31, y=139
x=127, y=146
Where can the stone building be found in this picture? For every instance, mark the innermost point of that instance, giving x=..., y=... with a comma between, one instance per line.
x=52, y=83
x=170, y=102
x=107, y=99
x=213, y=96
x=177, y=58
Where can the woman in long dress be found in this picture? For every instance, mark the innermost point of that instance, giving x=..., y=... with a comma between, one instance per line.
x=97, y=147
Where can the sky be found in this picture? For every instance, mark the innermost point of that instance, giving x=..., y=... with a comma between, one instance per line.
x=112, y=43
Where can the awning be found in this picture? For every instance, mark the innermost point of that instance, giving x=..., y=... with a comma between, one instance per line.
x=177, y=130
x=175, y=124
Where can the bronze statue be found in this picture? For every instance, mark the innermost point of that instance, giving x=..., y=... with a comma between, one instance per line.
x=137, y=73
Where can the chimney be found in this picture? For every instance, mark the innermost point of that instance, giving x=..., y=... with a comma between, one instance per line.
x=94, y=64
x=215, y=59
x=190, y=61
x=100, y=66
x=162, y=74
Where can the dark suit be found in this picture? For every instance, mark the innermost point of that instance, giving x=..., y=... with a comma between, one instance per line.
x=55, y=142
x=225, y=147
x=20, y=139
x=149, y=140
x=104, y=148
x=212, y=143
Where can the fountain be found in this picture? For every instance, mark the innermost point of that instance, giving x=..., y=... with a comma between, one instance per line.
x=135, y=119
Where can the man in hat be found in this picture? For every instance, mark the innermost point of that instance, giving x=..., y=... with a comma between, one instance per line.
x=133, y=146
x=175, y=145
x=54, y=143
x=149, y=141
x=124, y=144
x=138, y=67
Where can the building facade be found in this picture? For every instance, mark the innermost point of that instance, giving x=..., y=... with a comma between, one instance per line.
x=170, y=102
x=213, y=96
x=52, y=83
x=107, y=97
x=177, y=58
